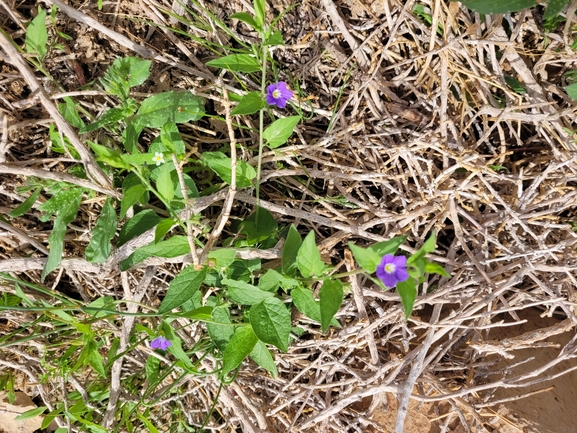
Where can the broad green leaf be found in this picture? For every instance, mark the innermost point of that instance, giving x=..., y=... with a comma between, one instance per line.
x=498, y=6
x=408, y=293
x=220, y=334
x=572, y=91
x=259, y=226
x=113, y=115
x=262, y=356
x=26, y=205
x=137, y=225
x=278, y=132
x=271, y=281
x=68, y=111
x=554, y=8
x=49, y=418
x=306, y=303
x=151, y=428
x=201, y=313
x=171, y=138
x=249, y=104
x=109, y=156
x=223, y=257
x=435, y=268
x=244, y=293
x=95, y=359
x=133, y=190
x=37, y=35
x=32, y=413
x=178, y=107
x=162, y=228
x=176, y=347
x=173, y=247
x=428, y=247
x=164, y=183
x=237, y=63
x=259, y=12
x=66, y=214
x=124, y=73
x=245, y=18
x=330, y=300
x=290, y=250
x=221, y=165
x=309, y=259
x=59, y=200
x=275, y=39
x=182, y=288
x=100, y=247
x=388, y=247
x=243, y=270
x=367, y=258
x=515, y=84
x=271, y=322
x=152, y=369
x=238, y=348
x=140, y=159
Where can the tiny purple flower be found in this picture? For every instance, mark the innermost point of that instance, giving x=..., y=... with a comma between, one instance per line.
x=392, y=270
x=160, y=343
x=278, y=94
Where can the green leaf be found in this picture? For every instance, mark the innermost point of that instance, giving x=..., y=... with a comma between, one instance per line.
x=278, y=132
x=306, y=303
x=109, y=156
x=173, y=247
x=554, y=8
x=271, y=322
x=435, y=268
x=221, y=165
x=178, y=107
x=32, y=413
x=223, y=257
x=95, y=359
x=367, y=258
x=124, y=73
x=66, y=214
x=290, y=250
x=309, y=259
x=515, y=84
x=238, y=348
x=259, y=226
x=237, y=63
x=26, y=205
x=100, y=247
x=330, y=300
x=176, y=347
x=113, y=115
x=182, y=288
x=151, y=428
x=220, y=334
x=275, y=39
x=201, y=313
x=171, y=138
x=408, y=293
x=388, y=247
x=271, y=281
x=262, y=356
x=137, y=225
x=68, y=111
x=249, y=104
x=572, y=91
x=133, y=190
x=162, y=228
x=37, y=35
x=164, y=183
x=428, y=247
x=498, y=6
x=245, y=18
x=244, y=293
x=259, y=12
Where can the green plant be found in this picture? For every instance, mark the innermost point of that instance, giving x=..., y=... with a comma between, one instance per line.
x=554, y=7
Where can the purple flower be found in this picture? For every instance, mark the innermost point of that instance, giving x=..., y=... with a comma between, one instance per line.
x=160, y=343
x=278, y=94
x=392, y=270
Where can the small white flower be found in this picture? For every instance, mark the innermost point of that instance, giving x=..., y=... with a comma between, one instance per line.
x=158, y=158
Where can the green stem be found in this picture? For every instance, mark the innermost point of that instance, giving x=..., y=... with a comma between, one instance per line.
x=261, y=127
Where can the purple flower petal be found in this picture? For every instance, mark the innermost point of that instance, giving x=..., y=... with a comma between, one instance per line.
x=160, y=343
x=392, y=270
x=278, y=94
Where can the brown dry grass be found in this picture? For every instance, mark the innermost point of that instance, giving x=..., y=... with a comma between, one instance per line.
x=409, y=144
